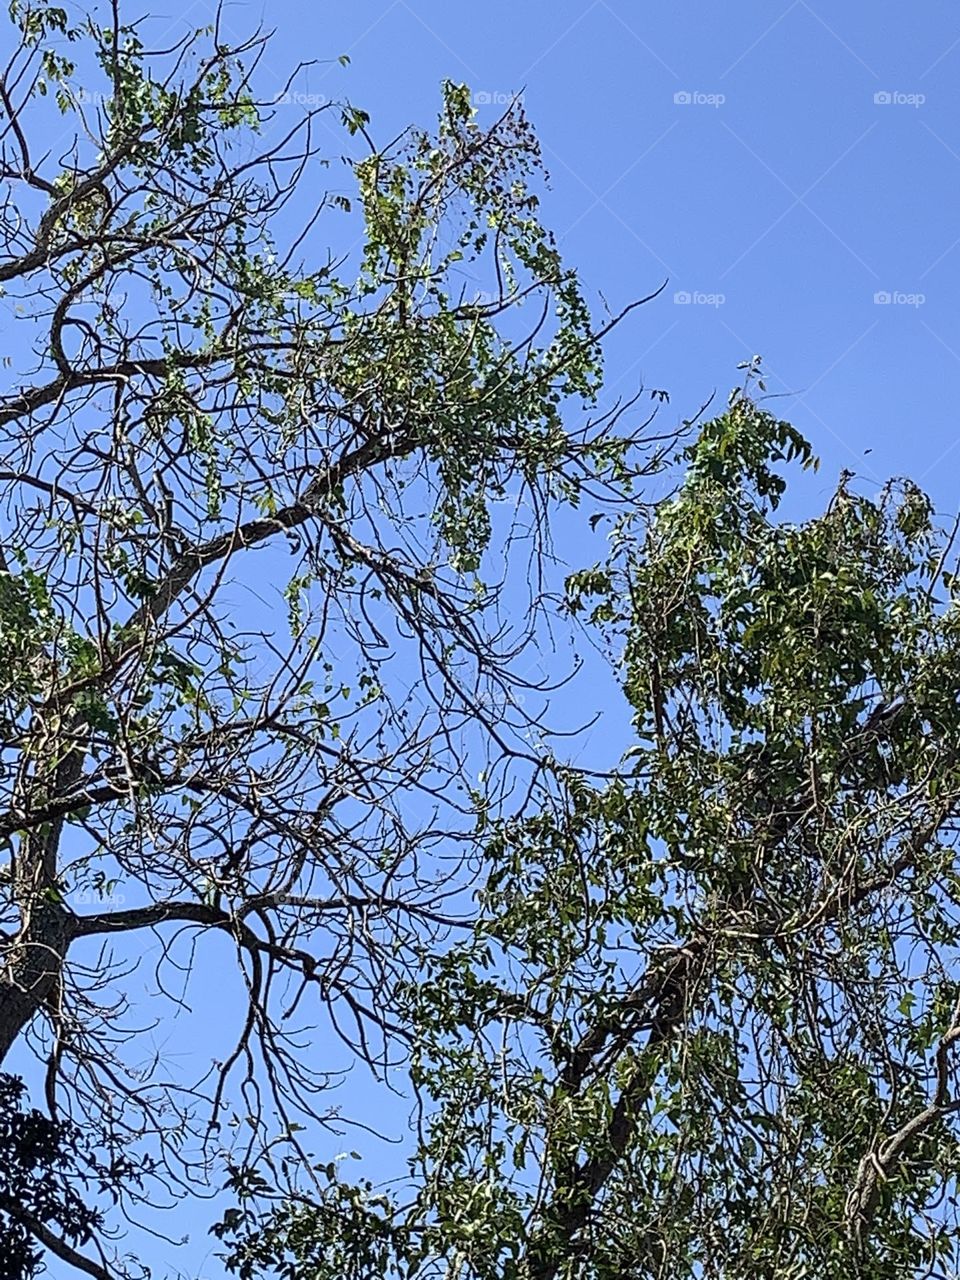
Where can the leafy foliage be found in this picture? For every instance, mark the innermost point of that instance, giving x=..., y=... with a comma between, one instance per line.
x=37, y=1155
x=707, y=1023
x=253, y=502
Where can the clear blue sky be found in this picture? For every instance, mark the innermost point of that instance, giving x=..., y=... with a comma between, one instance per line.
x=739, y=151
x=784, y=187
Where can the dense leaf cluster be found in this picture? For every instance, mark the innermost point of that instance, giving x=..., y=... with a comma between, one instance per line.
x=707, y=1024
x=37, y=1157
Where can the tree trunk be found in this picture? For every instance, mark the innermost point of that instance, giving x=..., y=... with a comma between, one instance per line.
x=31, y=962
x=32, y=967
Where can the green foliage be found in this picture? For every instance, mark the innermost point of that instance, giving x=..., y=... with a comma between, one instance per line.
x=40, y=1159
x=706, y=1024
x=249, y=491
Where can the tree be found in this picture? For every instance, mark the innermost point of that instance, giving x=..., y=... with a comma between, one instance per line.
x=36, y=1155
x=187, y=780
x=708, y=1022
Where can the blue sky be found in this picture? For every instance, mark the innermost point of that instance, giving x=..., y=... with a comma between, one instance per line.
x=783, y=165
x=792, y=171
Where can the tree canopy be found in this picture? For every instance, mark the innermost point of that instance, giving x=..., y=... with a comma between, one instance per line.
x=278, y=469
x=211, y=400
x=706, y=1024
x=39, y=1200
